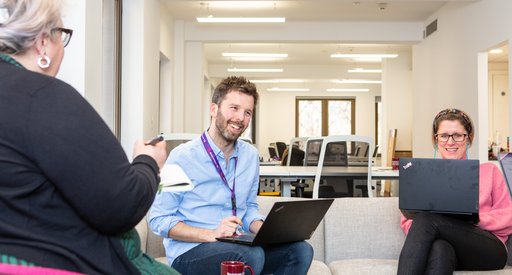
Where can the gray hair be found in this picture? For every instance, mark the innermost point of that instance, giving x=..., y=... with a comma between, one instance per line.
x=23, y=21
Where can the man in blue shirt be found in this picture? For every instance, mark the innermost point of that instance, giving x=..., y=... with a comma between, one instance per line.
x=225, y=172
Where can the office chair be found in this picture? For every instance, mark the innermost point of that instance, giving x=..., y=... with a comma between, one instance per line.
x=174, y=139
x=281, y=146
x=295, y=158
x=296, y=143
x=272, y=152
x=326, y=159
x=313, y=146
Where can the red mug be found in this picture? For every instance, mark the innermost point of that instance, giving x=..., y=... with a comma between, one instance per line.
x=234, y=268
x=395, y=162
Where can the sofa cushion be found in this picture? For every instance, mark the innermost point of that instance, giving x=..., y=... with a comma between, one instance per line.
x=362, y=228
x=317, y=240
x=151, y=243
x=364, y=266
x=318, y=268
x=389, y=266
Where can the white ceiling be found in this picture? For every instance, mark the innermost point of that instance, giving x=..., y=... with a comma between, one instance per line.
x=312, y=10
x=314, y=54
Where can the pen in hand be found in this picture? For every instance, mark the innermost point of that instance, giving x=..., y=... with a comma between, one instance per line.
x=155, y=140
x=238, y=231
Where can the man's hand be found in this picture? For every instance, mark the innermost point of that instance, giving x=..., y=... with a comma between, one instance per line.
x=227, y=227
x=187, y=233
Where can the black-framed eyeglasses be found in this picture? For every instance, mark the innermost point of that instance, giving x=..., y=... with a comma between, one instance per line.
x=456, y=137
x=65, y=35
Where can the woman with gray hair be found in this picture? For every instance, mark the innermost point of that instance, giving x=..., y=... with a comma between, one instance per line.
x=69, y=197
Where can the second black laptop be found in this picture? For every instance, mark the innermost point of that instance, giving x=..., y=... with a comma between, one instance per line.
x=287, y=221
x=439, y=186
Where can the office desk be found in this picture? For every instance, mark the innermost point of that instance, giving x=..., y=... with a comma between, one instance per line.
x=270, y=163
x=288, y=174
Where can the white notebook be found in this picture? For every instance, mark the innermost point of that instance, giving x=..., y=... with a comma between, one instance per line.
x=174, y=179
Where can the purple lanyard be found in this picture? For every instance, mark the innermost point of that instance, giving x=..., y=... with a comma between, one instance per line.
x=215, y=162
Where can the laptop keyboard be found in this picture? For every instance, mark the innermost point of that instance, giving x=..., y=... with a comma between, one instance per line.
x=243, y=237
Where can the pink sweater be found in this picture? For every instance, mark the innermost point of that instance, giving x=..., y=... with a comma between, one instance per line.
x=495, y=203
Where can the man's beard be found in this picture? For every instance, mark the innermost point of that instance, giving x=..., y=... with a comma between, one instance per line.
x=222, y=126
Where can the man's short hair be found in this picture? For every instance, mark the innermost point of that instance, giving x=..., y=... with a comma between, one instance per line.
x=234, y=83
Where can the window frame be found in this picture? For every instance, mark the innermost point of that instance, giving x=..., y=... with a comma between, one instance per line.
x=325, y=112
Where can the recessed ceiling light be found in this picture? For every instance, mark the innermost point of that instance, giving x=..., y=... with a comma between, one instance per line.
x=280, y=55
x=372, y=56
x=361, y=70
x=275, y=89
x=255, y=70
x=496, y=51
x=241, y=19
x=241, y=4
x=255, y=58
x=346, y=90
x=358, y=81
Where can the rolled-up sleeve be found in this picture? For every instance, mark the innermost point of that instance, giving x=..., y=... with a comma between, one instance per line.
x=162, y=216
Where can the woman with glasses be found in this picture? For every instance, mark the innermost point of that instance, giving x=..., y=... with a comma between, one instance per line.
x=69, y=197
x=438, y=244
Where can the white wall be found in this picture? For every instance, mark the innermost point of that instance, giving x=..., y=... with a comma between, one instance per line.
x=72, y=69
x=140, y=75
x=87, y=59
x=178, y=95
x=194, y=87
x=397, y=107
x=445, y=68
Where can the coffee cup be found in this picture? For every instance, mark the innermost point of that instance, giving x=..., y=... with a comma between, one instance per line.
x=395, y=162
x=234, y=268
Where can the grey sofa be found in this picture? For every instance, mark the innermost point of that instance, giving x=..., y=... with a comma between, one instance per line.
x=357, y=236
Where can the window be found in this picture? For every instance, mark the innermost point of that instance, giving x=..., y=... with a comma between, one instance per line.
x=324, y=117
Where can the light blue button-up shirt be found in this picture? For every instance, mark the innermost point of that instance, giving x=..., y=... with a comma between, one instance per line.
x=210, y=200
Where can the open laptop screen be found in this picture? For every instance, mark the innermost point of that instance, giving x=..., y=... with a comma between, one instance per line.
x=440, y=186
x=506, y=167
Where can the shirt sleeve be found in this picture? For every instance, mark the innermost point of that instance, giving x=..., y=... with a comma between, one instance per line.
x=162, y=215
x=495, y=205
x=77, y=153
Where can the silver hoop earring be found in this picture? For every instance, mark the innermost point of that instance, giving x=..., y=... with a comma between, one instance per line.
x=45, y=64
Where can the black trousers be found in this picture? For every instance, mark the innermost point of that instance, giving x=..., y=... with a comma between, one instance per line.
x=438, y=244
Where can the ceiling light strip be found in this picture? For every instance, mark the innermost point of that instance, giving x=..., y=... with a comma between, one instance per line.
x=347, y=90
x=241, y=19
x=341, y=55
x=231, y=70
x=358, y=81
x=275, y=55
x=361, y=70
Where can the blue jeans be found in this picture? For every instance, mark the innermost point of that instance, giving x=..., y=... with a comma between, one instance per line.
x=293, y=258
x=437, y=244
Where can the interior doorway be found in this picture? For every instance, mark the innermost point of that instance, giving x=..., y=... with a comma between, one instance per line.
x=499, y=104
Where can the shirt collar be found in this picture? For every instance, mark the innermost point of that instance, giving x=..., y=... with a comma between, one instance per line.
x=217, y=150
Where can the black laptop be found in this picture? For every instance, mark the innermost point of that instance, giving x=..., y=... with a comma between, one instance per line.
x=443, y=186
x=506, y=166
x=287, y=221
